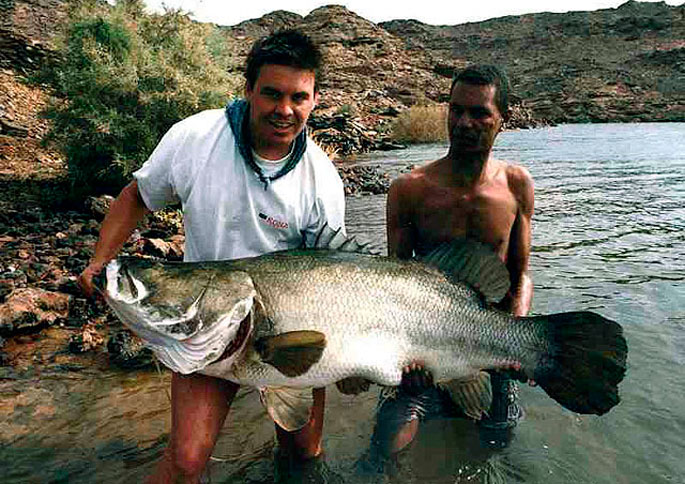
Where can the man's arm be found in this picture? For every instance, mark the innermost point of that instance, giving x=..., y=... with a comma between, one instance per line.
x=400, y=230
x=123, y=217
x=520, y=296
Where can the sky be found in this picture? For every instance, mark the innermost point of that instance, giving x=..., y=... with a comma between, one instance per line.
x=231, y=12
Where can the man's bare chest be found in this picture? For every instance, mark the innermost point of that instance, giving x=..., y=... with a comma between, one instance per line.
x=487, y=215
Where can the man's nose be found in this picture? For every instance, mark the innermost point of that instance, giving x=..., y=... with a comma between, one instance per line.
x=464, y=120
x=284, y=107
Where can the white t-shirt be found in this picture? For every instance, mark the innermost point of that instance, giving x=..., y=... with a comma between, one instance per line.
x=228, y=213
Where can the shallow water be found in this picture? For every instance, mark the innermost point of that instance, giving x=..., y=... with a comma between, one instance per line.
x=608, y=235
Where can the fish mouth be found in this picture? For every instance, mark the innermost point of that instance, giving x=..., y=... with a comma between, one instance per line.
x=239, y=340
x=115, y=281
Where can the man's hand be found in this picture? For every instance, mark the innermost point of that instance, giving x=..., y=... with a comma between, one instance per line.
x=353, y=385
x=516, y=373
x=85, y=280
x=416, y=379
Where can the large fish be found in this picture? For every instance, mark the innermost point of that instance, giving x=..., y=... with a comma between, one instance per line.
x=311, y=317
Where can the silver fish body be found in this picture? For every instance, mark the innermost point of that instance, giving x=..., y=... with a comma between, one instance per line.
x=308, y=318
x=378, y=315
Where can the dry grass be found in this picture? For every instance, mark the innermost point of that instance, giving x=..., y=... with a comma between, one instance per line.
x=421, y=124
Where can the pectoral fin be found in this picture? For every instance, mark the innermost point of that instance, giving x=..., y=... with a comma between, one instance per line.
x=289, y=407
x=292, y=353
x=473, y=396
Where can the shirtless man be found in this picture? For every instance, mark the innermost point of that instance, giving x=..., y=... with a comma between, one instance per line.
x=464, y=194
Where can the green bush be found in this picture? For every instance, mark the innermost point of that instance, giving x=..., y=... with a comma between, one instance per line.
x=421, y=124
x=124, y=79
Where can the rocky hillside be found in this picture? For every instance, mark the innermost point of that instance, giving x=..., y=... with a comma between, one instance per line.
x=625, y=64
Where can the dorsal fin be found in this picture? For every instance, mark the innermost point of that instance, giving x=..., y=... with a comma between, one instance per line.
x=474, y=263
x=335, y=239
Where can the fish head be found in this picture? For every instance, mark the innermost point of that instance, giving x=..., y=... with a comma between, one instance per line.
x=189, y=314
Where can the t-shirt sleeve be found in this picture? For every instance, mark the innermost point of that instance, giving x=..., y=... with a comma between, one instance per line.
x=155, y=177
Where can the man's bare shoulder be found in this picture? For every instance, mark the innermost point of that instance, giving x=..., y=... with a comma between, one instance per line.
x=520, y=183
x=415, y=179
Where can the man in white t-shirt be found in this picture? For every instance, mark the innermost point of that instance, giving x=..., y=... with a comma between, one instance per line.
x=250, y=182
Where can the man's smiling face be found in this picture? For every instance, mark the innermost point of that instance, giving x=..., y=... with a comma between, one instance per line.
x=280, y=103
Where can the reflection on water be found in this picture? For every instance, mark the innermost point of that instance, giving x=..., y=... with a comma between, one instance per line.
x=609, y=235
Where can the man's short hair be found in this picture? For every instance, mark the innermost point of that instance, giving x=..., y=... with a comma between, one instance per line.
x=487, y=75
x=286, y=48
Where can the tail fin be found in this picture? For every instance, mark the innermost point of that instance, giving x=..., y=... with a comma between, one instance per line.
x=585, y=363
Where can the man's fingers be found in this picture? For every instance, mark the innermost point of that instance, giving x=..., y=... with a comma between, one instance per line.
x=85, y=282
x=85, y=279
x=416, y=379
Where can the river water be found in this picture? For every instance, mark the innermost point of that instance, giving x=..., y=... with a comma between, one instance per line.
x=608, y=236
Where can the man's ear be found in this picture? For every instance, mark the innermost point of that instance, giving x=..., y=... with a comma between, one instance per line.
x=247, y=90
x=316, y=98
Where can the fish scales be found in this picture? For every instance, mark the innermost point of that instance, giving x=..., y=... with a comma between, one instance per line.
x=318, y=316
x=401, y=311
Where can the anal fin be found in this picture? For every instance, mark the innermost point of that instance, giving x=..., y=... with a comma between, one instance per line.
x=290, y=408
x=473, y=396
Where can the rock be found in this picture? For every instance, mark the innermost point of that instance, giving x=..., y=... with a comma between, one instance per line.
x=4, y=359
x=10, y=129
x=363, y=180
x=6, y=287
x=554, y=57
x=127, y=351
x=86, y=340
x=99, y=206
x=81, y=311
x=176, y=247
x=30, y=308
x=156, y=248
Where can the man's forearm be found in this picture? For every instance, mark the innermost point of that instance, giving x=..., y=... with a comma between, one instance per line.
x=522, y=297
x=519, y=298
x=123, y=217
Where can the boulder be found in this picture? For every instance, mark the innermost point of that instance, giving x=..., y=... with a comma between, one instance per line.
x=29, y=309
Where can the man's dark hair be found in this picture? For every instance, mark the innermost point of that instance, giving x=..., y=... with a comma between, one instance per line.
x=285, y=48
x=487, y=75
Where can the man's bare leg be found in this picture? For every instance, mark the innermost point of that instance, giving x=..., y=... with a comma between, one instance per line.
x=199, y=405
x=305, y=443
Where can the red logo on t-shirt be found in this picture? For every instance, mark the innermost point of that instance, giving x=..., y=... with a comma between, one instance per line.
x=277, y=224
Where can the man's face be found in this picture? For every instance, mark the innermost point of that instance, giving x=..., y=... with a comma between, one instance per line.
x=474, y=119
x=280, y=102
